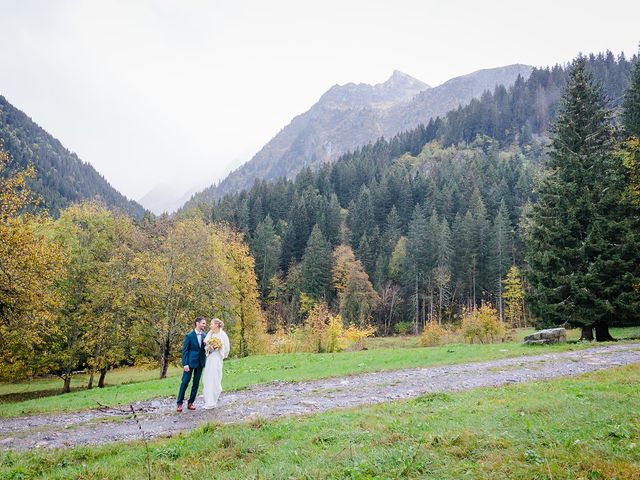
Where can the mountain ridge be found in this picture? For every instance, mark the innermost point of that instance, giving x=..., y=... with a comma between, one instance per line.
x=61, y=176
x=351, y=115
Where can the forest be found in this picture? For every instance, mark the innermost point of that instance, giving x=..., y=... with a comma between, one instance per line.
x=432, y=220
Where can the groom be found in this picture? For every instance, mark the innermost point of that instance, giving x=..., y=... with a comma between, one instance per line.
x=193, y=360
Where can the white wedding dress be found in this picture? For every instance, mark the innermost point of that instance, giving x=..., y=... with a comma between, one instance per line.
x=212, y=375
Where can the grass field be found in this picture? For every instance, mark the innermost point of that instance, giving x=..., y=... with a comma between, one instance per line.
x=579, y=428
x=129, y=385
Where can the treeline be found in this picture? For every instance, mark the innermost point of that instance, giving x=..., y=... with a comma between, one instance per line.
x=61, y=178
x=93, y=289
x=435, y=226
x=528, y=107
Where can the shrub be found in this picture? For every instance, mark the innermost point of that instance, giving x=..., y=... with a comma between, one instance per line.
x=403, y=328
x=432, y=335
x=356, y=337
x=482, y=324
x=322, y=332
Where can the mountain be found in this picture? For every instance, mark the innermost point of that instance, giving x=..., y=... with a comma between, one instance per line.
x=61, y=177
x=351, y=115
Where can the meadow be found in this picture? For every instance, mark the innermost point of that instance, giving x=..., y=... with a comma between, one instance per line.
x=127, y=385
x=577, y=428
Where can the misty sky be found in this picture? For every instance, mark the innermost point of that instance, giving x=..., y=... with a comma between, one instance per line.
x=181, y=91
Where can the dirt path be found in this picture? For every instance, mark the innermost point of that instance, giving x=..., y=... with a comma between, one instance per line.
x=158, y=417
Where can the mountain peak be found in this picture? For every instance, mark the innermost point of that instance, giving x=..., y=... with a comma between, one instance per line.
x=398, y=76
x=398, y=87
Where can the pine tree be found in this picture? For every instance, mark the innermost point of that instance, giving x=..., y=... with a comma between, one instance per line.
x=315, y=267
x=266, y=248
x=631, y=124
x=631, y=104
x=581, y=240
x=501, y=251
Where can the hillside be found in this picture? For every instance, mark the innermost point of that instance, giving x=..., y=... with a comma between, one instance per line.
x=61, y=177
x=454, y=188
x=350, y=115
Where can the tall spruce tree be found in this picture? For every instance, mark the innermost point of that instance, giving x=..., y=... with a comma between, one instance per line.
x=631, y=104
x=266, y=248
x=500, y=252
x=579, y=238
x=631, y=124
x=315, y=268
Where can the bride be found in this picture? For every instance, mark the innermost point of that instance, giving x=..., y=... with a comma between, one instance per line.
x=212, y=375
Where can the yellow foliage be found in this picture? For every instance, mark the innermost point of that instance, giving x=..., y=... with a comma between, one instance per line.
x=513, y=298
x=631, y=158
x=30, y=263
x=322, y=332
x=432, y=335
x=482, y=324
x=435, y=334
x=356, y=337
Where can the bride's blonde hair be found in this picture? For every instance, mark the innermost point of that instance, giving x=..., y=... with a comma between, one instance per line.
x=217, y=321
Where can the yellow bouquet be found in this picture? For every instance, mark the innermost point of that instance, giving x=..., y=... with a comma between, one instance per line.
x=213, y=343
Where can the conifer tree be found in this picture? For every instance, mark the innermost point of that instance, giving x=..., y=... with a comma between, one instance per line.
x=631, y=124
x=631, y=104
x=315, y=268
x=500, y=251
x=267, y=248
x=581, y=241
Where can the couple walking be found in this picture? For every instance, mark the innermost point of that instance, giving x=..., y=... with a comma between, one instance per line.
x=202, y=356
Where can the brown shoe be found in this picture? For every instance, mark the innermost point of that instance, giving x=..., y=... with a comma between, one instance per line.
x=190, y=406
x=179, y=408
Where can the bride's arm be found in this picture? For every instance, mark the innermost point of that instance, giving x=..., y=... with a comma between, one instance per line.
x=225, y=345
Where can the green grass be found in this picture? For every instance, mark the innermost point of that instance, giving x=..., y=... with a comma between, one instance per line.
x=585, y=427
x=385, y=354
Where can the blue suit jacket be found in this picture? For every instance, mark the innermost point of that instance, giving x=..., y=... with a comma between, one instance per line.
x=192, y=353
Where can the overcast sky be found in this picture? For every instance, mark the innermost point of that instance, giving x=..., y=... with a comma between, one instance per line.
x=180, y=91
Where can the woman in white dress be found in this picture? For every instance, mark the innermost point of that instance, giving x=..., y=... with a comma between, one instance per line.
x=212, y=375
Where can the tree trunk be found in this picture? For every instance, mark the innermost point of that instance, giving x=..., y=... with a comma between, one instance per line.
x=91, y=375
x=164, y=364
x=602, y=333
x=103, y=373
x=66, y=388
x=587, y=333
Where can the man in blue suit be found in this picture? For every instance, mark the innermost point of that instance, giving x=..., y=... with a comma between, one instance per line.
x=193, y=361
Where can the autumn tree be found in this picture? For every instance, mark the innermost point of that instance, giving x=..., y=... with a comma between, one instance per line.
x=30, y=263
x=88, y=235
x=175, y=275
x=238, y=301
x=513, y=297
x=357, y=297
x=112, y=302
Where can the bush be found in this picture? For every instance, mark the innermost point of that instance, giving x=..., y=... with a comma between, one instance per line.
x=432, y=335
x=403, y=328
x=288, y=342
x=357, y=337
x=322, y=332
x=482, y=324
x=435, y=334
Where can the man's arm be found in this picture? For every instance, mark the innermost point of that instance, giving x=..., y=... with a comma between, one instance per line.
x=185, y=353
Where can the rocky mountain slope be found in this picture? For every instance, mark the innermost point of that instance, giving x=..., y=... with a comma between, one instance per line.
x=351, y=115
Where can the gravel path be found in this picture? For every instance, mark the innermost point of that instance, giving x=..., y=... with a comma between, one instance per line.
x=158, y=417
